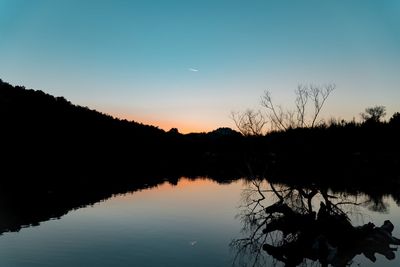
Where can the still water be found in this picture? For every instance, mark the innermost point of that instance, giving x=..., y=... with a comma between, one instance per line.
x=192, y=223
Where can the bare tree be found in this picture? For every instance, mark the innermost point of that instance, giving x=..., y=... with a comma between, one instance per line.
x=284, y=119
x=276, y=114
x=249, y=122
x=253, y=122
x=318, y=95
x=302, y=96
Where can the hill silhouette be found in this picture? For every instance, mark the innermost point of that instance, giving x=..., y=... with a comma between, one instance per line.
x=48, y=136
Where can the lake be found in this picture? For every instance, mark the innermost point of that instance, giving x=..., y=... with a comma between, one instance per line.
x=196, y=222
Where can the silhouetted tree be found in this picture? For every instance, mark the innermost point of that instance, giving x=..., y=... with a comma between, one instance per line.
x=283, y=119
x=249, y=122
x=395, y=119
x=253, y=122
x=374, y=114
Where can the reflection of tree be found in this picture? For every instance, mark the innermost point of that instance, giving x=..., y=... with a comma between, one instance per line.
x=296, y=228
x=376, y=203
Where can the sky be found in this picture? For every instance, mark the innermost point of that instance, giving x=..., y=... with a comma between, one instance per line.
x=189, y=64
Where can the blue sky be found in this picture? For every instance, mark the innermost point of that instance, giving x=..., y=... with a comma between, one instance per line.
x=136, y=59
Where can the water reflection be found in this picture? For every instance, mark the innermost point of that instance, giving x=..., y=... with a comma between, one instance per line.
x=308, y=226
x=187, y=221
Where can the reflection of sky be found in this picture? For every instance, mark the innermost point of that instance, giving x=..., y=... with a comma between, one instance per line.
x=135, y=59
x=190, y=224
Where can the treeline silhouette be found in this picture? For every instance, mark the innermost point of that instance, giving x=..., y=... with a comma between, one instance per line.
x=48, y=138
x=345, y=152
x=57, y=156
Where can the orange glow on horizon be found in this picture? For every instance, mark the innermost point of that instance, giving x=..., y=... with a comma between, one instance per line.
x=166, y=125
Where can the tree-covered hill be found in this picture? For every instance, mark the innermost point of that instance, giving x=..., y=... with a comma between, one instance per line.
x=45, y=136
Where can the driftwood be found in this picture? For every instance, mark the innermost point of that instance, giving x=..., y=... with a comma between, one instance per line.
x=304, y=233
x=327, y=238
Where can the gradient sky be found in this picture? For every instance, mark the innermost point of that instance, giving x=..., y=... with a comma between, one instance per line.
x=188, y=64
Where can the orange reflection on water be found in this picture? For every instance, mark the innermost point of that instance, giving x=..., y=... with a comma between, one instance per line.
x=201, y=193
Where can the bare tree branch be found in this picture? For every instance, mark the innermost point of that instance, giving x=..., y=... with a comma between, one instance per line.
x=276, y=116
x=249, y=122
x=253, y=122
x=318, y=96
x=302, y=96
